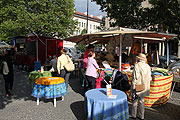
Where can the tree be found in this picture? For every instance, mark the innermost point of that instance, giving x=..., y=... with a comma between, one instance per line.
x=126, y=13
x=165, y=13
x=130, y=13
x=53, y=18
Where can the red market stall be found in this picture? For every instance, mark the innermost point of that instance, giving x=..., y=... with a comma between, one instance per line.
x=32, y=48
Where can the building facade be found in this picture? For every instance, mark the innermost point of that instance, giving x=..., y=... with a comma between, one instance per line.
x=94, y=22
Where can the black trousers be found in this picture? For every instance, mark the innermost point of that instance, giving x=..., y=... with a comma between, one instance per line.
x=54, y=74
x=9, y=79
x=91, y=82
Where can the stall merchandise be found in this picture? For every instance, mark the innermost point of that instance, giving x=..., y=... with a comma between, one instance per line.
x=160, y=87
x=36, y=74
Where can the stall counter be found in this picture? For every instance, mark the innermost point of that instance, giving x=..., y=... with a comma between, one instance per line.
x=160, y=88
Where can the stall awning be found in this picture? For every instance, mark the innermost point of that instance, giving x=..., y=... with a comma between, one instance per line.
x=105, y=36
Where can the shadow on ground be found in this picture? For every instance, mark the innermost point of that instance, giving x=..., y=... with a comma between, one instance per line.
x=78, y=110
x=74, y=82
x=21, y=88
x=170, y=110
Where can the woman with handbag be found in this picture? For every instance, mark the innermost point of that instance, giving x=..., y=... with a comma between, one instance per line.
x=140, y=85
x=91, y=74
x=62, y=61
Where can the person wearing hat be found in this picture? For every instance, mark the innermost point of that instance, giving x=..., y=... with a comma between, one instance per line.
x=141, y=76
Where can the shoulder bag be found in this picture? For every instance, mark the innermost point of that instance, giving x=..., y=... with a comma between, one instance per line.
x=69, y=66
x=141, y=86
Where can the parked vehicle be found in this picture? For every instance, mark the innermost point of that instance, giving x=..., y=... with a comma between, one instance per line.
x=73, y=53
x=175, y=68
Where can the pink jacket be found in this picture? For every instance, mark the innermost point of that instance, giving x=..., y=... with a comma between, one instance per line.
x=85, y=58
x=91, y=67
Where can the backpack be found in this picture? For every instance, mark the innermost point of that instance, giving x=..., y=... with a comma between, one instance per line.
x=121, y=82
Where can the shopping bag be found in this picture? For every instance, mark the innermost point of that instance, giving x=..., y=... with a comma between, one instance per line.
x=140, y=87
x=69, y=66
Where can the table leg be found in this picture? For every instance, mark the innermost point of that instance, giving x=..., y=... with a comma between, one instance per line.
x=54, y=102
x=62, y=98
x=37, y=101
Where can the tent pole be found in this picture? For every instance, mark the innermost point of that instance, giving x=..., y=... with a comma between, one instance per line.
x=120, y=50
x=163, y=47
x=167, y=53
x=46, y=48
x=141, y=46
x=37, y=49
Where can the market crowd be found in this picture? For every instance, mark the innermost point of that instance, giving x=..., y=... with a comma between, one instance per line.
x=139, y=88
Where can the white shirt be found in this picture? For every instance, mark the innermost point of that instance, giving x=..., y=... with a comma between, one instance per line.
x=62, y=60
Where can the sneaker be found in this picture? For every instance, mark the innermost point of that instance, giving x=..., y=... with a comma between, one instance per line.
x=140, y=118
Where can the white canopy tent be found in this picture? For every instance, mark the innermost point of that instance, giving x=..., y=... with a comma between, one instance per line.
x=4, y=46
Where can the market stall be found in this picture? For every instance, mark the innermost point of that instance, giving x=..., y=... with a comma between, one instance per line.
x=124, y=38
x=4, y=46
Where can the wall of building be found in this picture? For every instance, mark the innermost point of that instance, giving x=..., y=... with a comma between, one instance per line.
x=93, y=24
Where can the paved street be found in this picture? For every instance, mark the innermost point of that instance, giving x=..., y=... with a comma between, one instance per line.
x=22, y=106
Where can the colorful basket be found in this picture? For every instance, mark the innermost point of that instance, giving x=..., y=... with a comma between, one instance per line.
x=160, y=89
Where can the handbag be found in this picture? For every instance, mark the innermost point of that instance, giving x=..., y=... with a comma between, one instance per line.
x=69, y=66
x=140, y=87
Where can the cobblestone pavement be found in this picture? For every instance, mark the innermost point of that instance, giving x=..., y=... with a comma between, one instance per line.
x=22, y=106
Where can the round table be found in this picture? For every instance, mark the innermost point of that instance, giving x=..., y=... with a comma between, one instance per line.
x=49, y=87
x=35, y=75
x=100, y=107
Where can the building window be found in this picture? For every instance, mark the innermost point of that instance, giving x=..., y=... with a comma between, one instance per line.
x=79, y=24
x=90, y=26
x=94, y=26
x=82, y=24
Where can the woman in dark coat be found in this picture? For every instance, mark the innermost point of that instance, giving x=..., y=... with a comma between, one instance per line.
x=7, y=71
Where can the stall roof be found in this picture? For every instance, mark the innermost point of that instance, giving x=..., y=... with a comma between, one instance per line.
x=105, y=36
x=4, y=45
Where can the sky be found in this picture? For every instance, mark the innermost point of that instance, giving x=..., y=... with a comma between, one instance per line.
x=81, y=6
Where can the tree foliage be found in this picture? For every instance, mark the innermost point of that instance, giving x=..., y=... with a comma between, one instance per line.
x=130, y=13
x=166, y=13
x=126, y=13
x=45, y=17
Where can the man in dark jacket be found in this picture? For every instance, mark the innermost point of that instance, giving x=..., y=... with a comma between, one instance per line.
x=9, y=74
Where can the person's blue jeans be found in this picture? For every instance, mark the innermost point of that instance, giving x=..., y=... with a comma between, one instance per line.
x=65, y=74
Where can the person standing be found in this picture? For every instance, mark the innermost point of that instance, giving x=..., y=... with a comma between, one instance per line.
x=86, y=55
x=91, y=74
x=61, y=62
x=53, y=63
x=141, y=76
x=7, y=71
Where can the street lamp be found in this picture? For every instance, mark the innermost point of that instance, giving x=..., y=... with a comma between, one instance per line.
x=87, y=16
